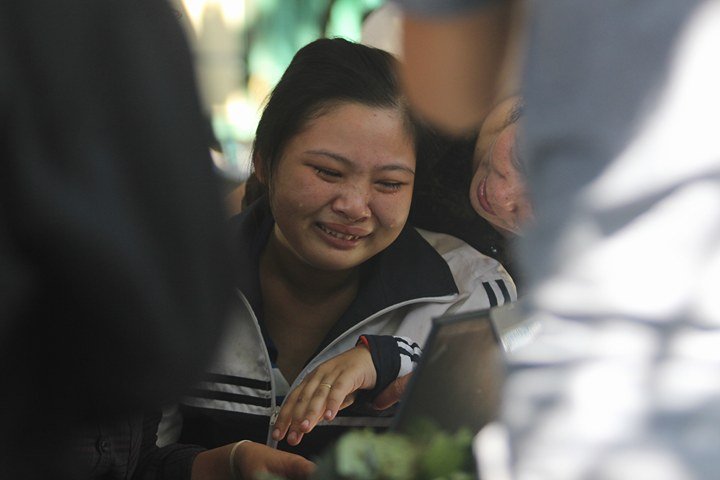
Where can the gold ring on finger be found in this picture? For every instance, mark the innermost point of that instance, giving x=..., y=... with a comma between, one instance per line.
x=326, y=385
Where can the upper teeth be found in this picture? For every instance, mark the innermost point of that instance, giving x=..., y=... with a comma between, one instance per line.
x=337, y=234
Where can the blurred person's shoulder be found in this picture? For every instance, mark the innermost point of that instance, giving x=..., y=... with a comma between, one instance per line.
x=441, y=7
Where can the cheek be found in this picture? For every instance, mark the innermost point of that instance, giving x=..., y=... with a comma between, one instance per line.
x=392, y=213
x=301, y=194
x=481, y=165
x=481, y=171
x=513, y=188
x=281, y=207
x=498, y=188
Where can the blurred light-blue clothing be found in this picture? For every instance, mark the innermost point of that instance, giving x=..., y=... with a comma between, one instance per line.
x=623, y=157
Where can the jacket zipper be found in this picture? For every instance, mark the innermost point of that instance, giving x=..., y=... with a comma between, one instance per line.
x=273, y=418
x=275, y=409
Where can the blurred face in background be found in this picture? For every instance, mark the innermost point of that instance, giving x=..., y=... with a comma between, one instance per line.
x=497, y=191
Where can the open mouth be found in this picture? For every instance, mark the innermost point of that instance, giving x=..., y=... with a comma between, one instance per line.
x=338, y=235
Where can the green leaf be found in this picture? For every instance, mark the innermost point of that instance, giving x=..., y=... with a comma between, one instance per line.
x=428, y=454
x=443, y=456
x=365, y=455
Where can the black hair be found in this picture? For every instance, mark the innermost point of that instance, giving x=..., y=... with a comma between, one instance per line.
x=321, y=74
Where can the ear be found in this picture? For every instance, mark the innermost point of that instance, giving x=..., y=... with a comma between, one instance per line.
x=259, y=169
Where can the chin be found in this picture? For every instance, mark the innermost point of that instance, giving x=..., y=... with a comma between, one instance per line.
x=506, y=233
x=329, y=264
x=483, y=214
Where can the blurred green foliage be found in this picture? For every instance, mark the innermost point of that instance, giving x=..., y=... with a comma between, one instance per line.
x=271, y=33
x=278, y=28
x=425, y=453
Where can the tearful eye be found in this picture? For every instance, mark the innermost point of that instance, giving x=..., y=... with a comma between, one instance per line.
x=324, y=172
x=391, y=185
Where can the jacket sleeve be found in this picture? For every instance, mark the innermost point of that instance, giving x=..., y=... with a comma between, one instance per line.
x=393, y=357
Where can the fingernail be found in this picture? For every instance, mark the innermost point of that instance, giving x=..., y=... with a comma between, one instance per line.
x=276, y=434
x=305, y=424
x=292, y=438
x=329, y=414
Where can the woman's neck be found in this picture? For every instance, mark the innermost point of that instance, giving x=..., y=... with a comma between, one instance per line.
x=301, y=303
x=279, y=263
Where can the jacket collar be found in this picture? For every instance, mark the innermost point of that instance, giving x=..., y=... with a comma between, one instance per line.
x=410, y=268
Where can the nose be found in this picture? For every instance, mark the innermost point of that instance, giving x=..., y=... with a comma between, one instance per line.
x=516, y=207
x=353, y=203
x=523, y=211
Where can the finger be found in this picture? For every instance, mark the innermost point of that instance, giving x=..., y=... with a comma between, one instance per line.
x=254, y=459
x=343, y=393
x=294, y=437
x=294, y=412
x=282, y=423
x=295, y=416
x=349, y=400
x=327, y=399
x=334, y=399
x=318, y=406
x=308, y=414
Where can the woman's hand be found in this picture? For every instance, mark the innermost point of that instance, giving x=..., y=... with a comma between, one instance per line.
x=248, y=459
x=392, y=393
x=328, y=389
x=254, y=458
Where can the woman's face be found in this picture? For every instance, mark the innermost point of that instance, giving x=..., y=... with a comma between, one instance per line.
x=497, y=190
x=342, y=189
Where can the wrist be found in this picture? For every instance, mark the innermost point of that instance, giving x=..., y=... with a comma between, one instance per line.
x=369, y=366
x=363, y=342
x=233, y=460
x=385, y=355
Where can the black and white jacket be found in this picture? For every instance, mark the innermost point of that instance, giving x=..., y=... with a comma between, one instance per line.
x=420, y=276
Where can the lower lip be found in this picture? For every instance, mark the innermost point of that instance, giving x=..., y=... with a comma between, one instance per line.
x=335, y=242
x=482, y=200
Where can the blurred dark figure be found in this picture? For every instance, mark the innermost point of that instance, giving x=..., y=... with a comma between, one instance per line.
x=112, y=281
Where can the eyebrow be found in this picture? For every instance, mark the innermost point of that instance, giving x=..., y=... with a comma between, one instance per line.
x=346, y=161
